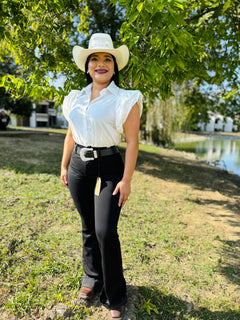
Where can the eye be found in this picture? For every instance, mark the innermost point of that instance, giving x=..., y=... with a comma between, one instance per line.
x=108, y=59
x=94, y=58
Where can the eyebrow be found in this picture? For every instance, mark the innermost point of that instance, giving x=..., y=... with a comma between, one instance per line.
x=96, y=55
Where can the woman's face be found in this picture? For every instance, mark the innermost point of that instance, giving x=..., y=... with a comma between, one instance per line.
x=101, y=67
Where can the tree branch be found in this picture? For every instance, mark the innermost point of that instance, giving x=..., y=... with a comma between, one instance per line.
x=202, y=13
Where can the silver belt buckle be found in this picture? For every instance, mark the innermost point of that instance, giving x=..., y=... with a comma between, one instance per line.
x=83, y=152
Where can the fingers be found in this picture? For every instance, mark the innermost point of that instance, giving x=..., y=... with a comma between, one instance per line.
x=124, y=192
x=115, y=191
x=122, y=202
x=65, y=183
x=64, y=180
x=122, y=199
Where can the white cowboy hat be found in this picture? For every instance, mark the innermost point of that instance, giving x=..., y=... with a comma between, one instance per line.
x=100, y=42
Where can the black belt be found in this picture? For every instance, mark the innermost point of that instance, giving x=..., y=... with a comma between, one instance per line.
x=90, y=153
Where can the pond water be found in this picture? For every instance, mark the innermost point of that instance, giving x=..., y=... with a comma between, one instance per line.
x=221, y=152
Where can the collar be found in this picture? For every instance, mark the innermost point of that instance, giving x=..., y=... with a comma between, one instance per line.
x=112, y=88
x=87, y=89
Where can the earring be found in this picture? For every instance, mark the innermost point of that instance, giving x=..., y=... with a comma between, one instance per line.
x=87, y=72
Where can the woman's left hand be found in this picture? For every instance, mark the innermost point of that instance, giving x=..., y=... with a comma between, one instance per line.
x=124, y=188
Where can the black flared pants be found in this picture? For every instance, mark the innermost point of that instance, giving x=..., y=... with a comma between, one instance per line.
x=102, y=260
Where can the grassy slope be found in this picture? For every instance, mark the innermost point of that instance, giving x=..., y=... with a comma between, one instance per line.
x=179, y=233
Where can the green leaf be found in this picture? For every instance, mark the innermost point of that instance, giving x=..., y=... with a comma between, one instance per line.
x=180, y=3
x=133, y=16
x=124, y=27
x=8, y=36
x=227, y=5
x=140, y=6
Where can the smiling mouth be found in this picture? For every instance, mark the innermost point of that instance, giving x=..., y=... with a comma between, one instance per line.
x=101, y=71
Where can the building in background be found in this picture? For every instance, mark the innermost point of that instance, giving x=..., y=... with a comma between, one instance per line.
x=217, y=122
x=44, y=114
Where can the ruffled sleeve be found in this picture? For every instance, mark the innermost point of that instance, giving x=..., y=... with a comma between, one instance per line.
x=127, y=100
x=68, y=103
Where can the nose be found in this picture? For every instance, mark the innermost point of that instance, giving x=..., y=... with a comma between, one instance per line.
x=101, y=62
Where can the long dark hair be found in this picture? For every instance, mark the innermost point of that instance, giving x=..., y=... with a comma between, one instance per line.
x=114, y=78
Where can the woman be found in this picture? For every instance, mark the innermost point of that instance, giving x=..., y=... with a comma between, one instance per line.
x=93, y=169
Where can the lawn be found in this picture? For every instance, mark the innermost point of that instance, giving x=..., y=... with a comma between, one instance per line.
x=179, y=232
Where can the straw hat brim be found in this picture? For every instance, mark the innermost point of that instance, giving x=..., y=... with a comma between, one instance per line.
x=80, y=55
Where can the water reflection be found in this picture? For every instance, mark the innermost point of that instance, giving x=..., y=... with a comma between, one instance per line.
x=223, y=153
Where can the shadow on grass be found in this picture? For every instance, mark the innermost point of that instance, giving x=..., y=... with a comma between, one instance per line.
x=185, y=171
x=229, y=265
x=32, y=153
x=154, y=304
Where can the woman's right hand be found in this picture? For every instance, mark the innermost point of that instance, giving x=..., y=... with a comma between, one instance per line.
x=64, y=172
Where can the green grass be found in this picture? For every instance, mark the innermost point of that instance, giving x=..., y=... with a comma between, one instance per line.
x=175, y=270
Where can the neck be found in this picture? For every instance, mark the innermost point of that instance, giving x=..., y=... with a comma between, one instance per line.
x=99, y=86
x=96, y=88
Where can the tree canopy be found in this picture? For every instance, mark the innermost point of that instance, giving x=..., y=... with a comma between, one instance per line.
x=21, y=106
x=175, y=41
x=170, y=41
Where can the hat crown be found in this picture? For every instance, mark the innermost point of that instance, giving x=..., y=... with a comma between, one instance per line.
x=100, y=41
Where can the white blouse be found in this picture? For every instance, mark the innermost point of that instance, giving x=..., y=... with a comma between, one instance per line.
x=99, y=123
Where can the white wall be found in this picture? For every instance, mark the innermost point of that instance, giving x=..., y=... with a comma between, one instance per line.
x=228, y=126
x=221, y=125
